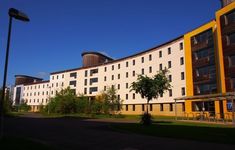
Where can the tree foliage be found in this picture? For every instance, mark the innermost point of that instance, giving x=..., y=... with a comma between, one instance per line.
x=64, y=102
x=150, y=88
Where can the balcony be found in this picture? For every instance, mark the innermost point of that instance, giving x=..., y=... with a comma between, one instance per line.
x=230, y=72
x=201, y=62
x=228, y=28
x=202, y=79
x=202, y=44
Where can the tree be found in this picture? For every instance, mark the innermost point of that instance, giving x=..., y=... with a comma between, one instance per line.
x=109, y=100
x=64, y=102
x=150, y=88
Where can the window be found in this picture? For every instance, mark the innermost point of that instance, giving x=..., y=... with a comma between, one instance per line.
x=142, y=107
x=150, y=57
x=126, y=74
x=52, y=77
x=171, y=107
x=150, y=69
x=38, y=86
x=74, y=74
x=62, y=84
x=170, y=78
x=133, y=73
x=118, y=76
x=93, y=89
x=112, y=67
x=118, y=86
x=181, y=46
x=142, y=59
x=181, y=60
x=85, y=82
x=142, y=71
x=183, y=91
x=161, y=107
x=133, y=62
x=133, y=107
x=169, y=64
x=118, y=96
x=232, y=61
x=93, y=80
x=105, y=69
x=86, y=73
x=56, y=84
x=151, y=107
x=93, y=71
x=183, y=107
x=73, y=83
x=119, y=66
x=127, y=86
x=112, y=77
x=126, y=107
x=160, y=66
x=161, y=94
x=62, y=75
x=170, y=92
x=57, y=77
x=127, y=64
x=105, y=78
x=160, y=54
x=126, y=96
x=169, y=51
x=182, y=75
x=104, y=88
x=133, y=96
x=85, y=90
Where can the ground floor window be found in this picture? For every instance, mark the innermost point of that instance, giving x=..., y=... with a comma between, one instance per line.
x=183, y=107
x=133, y=107
x=171, y=107
x=126, y=107
x=161, y=107
x=151, y=107
x=203, y=106
x=142, y=107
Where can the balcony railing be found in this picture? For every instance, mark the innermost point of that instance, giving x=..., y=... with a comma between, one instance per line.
x=201, y=62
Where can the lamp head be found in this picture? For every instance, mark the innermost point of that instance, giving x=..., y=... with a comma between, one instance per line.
x=18, y=15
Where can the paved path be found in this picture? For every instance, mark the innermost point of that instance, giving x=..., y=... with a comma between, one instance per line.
x=76, y=134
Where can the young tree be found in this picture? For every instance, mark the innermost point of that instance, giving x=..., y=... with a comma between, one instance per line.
x=64, y=102
x=150, y=88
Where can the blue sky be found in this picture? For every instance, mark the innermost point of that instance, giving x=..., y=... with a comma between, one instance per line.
x=60, y=30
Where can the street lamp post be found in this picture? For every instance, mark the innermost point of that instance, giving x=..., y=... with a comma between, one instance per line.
x=13, y=13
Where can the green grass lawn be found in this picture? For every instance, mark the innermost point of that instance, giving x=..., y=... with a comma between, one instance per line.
x=13, y=143
x=182, y=130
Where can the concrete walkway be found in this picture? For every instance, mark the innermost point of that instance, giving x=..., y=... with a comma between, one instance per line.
x=75, y=133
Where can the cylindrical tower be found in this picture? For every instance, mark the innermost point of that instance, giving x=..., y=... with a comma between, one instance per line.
x=94, y=58
x=23, y=79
